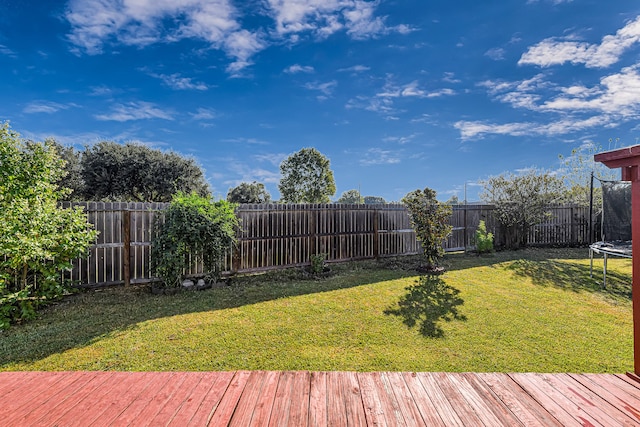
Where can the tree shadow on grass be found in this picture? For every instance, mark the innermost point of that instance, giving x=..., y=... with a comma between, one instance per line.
x=428, y=302
x=82, y=319
x=574, y=277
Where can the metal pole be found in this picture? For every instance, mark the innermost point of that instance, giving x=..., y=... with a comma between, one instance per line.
x=591, y=211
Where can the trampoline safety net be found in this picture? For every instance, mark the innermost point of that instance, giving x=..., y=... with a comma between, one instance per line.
x=616, y=211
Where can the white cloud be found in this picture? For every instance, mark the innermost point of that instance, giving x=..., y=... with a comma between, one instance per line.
x=47, y=107
x=297, y=68
x=273, y=158
x=411, y=90
x=478, y=129
x=135, y=111
x=618, y=94
x=496, y=53
x=326, y=89
x=177, y=82
x=377, y=156
x=325, y=17
x=96, y=23
x=355, y=69
x=7, y=52
x=204, y=114
x=251, y=141
x=400, y=139
x=555, y=51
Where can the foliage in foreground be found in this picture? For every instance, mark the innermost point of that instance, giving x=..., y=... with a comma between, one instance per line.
x=37, y=238
x=430, y=220
x=526, y=311
x=192, y=226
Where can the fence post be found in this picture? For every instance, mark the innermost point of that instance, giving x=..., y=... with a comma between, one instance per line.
x=376, y=235
x=126, y=234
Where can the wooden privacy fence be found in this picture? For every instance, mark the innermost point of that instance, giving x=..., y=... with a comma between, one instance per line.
x=278, y=235
x=273, y=236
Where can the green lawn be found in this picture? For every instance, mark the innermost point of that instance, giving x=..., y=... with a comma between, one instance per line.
x=534, y=310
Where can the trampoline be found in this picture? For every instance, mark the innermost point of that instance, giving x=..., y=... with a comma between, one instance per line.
x=616, y=224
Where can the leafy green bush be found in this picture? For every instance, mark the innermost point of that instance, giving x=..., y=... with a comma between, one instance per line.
x=484, y=240
x=192, y=226
x=430, y=220
x=317, y=263
x=38, y=239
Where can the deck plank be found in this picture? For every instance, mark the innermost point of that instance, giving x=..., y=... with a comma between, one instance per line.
x=490, y=401
x=138, y=403
x=264, y=404
x=458, y=401
x=374, y=408
x=423, y=402
x=227, y=406
x=600, y=405
x=31, y=387
x=282, y=398
x=521, y=404
x=336, y=408
x=318, y=402
x=50, y=402
x=299, y=409
x=353, y=399
x=220, y=382
x=244, y=409
x=121, y=402
x=440, y=400
x=562, y=408
x=617, y=397
x=406, y=403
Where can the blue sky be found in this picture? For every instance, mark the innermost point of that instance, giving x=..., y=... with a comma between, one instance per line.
x=399, y=95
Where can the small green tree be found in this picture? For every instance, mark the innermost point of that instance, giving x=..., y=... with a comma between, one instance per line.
x=484, y=240
x=431, y=221
x=522, y=201
x=192, y=226
x=351, y=197
x=254, y=192
x=306, y=178
x=38, y=239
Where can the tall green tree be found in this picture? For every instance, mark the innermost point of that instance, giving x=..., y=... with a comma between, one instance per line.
x=38, y=239
x=72, y=176
x=351, y=197
x=246, y=192
x=306, y=178
x=522, y=201
x=431, y=221
x=135, y=172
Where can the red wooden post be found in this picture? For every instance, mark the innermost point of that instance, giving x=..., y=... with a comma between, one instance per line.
x=629, y=160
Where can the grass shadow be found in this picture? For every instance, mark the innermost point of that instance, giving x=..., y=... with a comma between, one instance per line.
x=574, y=277
x=428, y=302
x=81, y=319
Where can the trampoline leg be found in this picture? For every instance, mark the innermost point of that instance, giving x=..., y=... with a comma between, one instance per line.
x=604, y=270
x=591, y=258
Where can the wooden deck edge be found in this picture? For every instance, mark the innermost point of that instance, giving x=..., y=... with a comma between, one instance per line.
x=634, y=377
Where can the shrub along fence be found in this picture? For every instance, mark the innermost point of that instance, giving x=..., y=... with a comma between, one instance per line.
x=279, y=236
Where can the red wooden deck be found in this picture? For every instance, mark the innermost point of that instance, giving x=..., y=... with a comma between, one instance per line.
x=271, y=398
